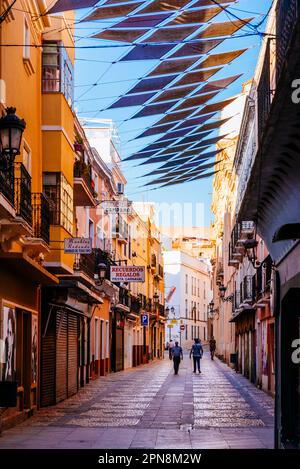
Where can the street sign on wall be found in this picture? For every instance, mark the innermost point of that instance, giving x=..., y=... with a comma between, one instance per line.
x=130, y=273
x=182, y=327
x=145, y=320
x=117, y=207
x=78, y=245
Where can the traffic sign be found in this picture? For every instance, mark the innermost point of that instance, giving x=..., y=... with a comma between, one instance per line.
x=182, y=327
x=145, y=319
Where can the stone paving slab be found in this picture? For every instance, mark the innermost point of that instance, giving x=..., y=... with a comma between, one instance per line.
x=149, y=407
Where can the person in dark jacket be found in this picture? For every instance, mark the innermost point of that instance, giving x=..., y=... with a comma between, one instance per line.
x=212, y=347
x=197, y=352
x=176, y=355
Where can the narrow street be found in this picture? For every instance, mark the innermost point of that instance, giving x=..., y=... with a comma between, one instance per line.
x=149, y=407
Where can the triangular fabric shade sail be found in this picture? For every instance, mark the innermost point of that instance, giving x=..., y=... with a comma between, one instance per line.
x=165, y=34
x=121, y=35
x=191, y=17
x=200, y=157
x=196, y=138
x=174, y=66
x=190, y=179
x=137, y=21
x=151, y=84
x=179, y=134
x=168, y=152
x=216, y=124
x=175, y=117
x=66, y=5
x=172, y=94
x=216, y=106
x=132, y=100
x=111, y=11
x=159, y=5
x=155, y=130
x=157, y=159
x=147, y=52
x=194, y=165
x=197, y=77
x=207, y=3
x=193, y=122
x=198, y=152
x=221, y=59
x=219, y=84
x=166, y=127
x=223, y=29
x=159, y=108
x=173, y=164
x=141, y=154
x=199, y=142
x=171, y=177
x=199, y=48
x=113, y=2
x=196, y=101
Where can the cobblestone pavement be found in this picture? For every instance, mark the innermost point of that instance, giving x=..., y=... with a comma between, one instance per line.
x=150, y=407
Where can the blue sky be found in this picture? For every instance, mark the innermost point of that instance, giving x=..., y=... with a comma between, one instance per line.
x=113, y=80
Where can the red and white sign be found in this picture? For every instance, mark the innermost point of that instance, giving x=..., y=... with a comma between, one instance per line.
x=171, y=293
x=130, y=273
x=182, y=327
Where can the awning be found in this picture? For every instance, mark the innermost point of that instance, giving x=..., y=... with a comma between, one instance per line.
x=205, y=3
x=151, y=110
x=219, y=84
x=139, y=21
x=152, y=84
x=196, y=101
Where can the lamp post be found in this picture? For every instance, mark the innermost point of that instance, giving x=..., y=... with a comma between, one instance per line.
x=222, y=291
x=11, y=131
x=100, y=275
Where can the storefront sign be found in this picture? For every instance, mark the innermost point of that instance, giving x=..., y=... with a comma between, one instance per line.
x=78, y=246
x=117, y=207
x=129, y=273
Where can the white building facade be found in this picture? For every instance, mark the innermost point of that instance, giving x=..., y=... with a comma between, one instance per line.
x=188, y=293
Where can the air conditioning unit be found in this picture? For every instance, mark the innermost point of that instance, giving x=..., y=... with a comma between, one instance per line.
x=120, y=188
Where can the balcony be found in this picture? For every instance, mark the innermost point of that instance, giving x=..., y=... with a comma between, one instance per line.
x=242, y=230
x=143, y=301
x=7, y=193
x=161, y=309
x=41, y=217
x=263, y=280
x=135, y=305
x=84, y=190
x=232, y=260
x=286, y=20
x=121, y=231
x=23, y=205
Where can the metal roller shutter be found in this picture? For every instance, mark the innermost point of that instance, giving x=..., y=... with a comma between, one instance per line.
x=72, y=354
x=119, y=349
x=61, y=355
x=48, y=360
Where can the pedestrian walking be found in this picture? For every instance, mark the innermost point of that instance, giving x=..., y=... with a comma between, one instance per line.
x=171, y=345
x=212, y=347
x=197, y=352
x=176, y=355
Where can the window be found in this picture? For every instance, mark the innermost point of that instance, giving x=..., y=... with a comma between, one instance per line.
x=204, y=333
x=198, y=287
x=192, y=332
x=191, y=312
x=27, y=158
x=198, y=332
x=186, y=284
x=60, y=197
x=186, y=332
x=26, y=47
x=57, y=71
x=198, y=311
x=186, y=308
x=204, y=290
x=91, y=231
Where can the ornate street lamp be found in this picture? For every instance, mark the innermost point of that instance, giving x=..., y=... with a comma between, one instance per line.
x=222, y=290
x=101, y=272
x=211, y=312
x=11, y=131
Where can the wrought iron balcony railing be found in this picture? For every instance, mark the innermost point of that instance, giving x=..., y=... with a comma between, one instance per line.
x=287, y=15
x=23, y=205
x=41, y=217
x=7, y=185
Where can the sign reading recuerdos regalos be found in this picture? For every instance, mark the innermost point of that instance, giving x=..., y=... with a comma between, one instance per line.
x=130, y=273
